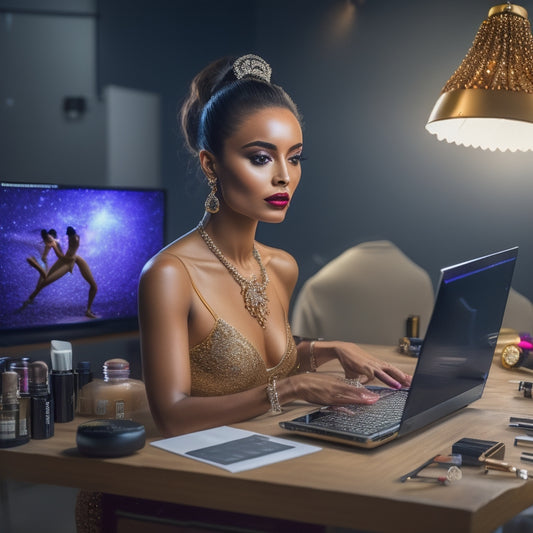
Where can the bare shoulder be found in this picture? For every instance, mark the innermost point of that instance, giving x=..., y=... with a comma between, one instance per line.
x=168, y=266
x=281, y=263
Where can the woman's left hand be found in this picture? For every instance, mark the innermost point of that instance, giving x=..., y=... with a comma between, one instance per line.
x=358, y=364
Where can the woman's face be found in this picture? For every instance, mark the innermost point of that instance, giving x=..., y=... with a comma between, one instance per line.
x=260, y=167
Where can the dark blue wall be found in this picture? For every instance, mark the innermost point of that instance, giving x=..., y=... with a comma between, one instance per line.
x=159, y=46
x=372, y=172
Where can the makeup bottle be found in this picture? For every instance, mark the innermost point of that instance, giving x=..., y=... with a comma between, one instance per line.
x=42, y=407
x=83, y=376
x=62, y=381
x=9, y=412
x=117, y=396
x=4, y=365
x=22, y=367
x=83, y=370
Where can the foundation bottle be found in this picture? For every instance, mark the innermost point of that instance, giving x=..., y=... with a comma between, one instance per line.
x=4, y=366
x=42, y=404
x=10, y=412
x=116, y=396
x=22, y=368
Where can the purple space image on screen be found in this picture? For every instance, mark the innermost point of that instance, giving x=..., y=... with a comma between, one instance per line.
x=119, y=231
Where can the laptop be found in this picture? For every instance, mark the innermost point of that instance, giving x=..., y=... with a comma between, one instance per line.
x=452, y=366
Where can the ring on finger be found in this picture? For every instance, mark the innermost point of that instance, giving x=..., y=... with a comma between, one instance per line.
x=352, y=382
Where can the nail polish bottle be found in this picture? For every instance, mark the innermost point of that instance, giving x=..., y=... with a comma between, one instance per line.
x=22, y=367
x=117, y=396
x=42, y=407
x=9, y=412
x=62, y=381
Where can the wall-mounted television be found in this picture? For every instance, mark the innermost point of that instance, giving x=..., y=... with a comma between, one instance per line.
x=60, y=244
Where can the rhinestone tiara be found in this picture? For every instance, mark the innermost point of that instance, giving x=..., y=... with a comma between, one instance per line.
x=252, y=65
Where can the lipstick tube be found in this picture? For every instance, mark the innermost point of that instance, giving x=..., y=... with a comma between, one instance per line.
x=62, y=381
x=42, y=404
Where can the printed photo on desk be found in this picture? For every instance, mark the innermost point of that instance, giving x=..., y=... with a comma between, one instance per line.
x=234, y=449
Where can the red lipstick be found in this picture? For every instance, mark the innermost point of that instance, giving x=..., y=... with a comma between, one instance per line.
x=279, y=200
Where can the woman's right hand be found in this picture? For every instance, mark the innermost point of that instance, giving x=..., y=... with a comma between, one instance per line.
x=325, y=389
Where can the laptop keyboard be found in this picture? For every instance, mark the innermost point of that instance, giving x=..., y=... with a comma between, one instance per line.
x=365, y=419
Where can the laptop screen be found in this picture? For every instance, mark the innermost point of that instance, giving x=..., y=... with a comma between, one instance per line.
x=459, y=345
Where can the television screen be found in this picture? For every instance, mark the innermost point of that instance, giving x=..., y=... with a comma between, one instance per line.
x=71, y=257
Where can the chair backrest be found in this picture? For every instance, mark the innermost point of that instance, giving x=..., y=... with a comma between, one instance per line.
x=518, y=313
x=364, y=295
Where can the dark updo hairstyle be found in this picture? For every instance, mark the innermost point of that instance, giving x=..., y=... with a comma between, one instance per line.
x=218, y=102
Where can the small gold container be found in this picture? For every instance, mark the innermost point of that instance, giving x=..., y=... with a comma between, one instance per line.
x=507, y=336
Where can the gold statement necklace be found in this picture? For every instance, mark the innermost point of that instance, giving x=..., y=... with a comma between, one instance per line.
x=253, y=292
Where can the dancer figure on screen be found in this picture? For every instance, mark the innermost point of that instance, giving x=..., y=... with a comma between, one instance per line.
x=64, y=264
x=51, y=242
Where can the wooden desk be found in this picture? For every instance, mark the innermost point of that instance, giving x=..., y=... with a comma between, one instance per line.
x=338, y=486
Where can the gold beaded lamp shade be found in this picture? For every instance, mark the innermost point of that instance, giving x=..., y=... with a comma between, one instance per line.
x=488, y=101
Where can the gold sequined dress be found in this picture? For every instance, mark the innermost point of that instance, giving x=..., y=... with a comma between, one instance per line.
x=226, y=362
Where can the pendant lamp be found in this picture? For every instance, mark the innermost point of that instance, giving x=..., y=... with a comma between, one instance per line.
x=488, y=101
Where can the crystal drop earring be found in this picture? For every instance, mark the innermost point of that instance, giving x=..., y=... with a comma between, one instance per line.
x=212, y=205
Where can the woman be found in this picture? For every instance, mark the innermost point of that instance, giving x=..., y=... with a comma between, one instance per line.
x=64, y=264
x=50, y=242
x=213, y=305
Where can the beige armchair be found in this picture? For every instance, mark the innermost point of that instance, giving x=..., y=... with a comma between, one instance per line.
x=364, y=295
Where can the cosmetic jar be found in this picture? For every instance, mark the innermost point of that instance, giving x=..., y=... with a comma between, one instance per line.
x=116, y=396
x=110, y=438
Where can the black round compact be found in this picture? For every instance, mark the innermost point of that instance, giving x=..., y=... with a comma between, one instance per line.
x=110, y=438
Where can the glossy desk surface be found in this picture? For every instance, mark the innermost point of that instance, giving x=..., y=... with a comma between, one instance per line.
x=338, y=486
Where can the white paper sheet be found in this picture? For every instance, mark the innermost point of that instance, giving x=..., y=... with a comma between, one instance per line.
x=234, y=449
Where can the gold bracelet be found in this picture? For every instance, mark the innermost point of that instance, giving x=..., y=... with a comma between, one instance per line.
x=273, y=398
x=312, y=358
